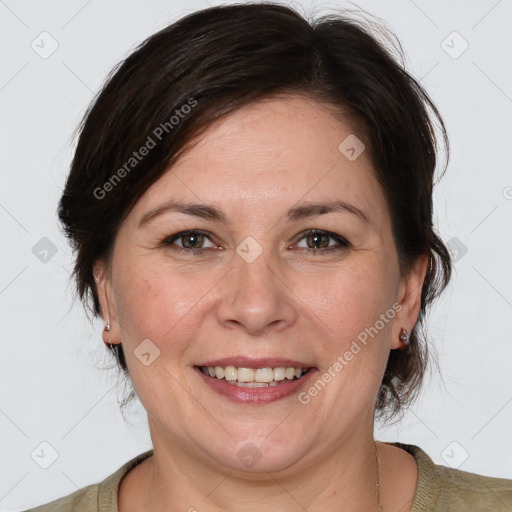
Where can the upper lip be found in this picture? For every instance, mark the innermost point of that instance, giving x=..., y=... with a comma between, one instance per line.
x=247, y=362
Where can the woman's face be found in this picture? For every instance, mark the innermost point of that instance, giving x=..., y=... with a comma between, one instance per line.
x=257, y=287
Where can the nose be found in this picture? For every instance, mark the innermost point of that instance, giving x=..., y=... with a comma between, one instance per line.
x=256, y=298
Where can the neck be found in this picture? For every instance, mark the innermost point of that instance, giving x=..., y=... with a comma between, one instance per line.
x=344, y=479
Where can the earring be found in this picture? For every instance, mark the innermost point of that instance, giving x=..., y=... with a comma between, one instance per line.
x=404, y=339
x=107, y=327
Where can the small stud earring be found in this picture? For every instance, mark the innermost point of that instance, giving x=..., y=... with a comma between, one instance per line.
x=404, y=339
x=107, y=327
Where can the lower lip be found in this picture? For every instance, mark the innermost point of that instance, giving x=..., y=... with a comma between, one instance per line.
x=255, y=395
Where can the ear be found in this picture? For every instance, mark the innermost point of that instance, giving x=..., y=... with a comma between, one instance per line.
x=107, y=303
x=409, y=298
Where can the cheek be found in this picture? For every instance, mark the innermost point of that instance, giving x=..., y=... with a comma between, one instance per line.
x=347, y=306
x=349, y=299
x=158, y=303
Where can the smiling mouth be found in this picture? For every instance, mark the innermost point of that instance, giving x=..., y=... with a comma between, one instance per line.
x=254, y=377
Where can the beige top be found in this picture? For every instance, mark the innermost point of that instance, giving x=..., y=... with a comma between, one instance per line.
x=439, y=489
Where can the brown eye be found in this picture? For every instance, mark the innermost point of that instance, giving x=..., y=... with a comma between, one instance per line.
x=320, y=241
x=317, y=241
x=193, y=241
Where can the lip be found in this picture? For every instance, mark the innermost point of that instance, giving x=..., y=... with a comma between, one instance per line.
x=247, y=362
x=266, y=395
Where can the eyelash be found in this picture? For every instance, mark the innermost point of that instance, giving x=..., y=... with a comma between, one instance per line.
x=344, y=243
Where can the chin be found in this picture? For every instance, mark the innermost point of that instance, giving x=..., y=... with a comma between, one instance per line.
x=251, y=457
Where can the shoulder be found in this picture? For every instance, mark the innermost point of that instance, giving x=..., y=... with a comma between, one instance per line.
x=444, y=489
x=471, y=491
x=93, y=498
x=83, y=500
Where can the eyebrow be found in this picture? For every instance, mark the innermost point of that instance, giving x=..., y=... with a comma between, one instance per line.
x=212, y=213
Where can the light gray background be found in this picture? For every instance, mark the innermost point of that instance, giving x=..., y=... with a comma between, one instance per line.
x=52, y=386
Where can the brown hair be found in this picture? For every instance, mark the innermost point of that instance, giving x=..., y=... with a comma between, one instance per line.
x=214, y=61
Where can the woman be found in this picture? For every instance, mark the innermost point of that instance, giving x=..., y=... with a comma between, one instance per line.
x=250, y=202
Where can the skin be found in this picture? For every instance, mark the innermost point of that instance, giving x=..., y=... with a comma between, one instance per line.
x=254, y=165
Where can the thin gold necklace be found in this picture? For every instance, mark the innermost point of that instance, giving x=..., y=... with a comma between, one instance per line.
x=378, y=477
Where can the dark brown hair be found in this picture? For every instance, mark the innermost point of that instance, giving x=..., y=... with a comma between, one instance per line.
x=214, y=61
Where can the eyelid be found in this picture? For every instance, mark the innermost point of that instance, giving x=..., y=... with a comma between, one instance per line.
x=342, y=241
x=168, y=240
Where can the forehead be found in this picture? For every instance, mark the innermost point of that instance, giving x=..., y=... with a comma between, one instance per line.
x=271, y=153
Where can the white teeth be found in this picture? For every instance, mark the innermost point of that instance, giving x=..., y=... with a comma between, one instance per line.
x=230, y=373
x=279, y=373
x=245, y=375
x=251, y=384
x=249, y=377
x=264, y=375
